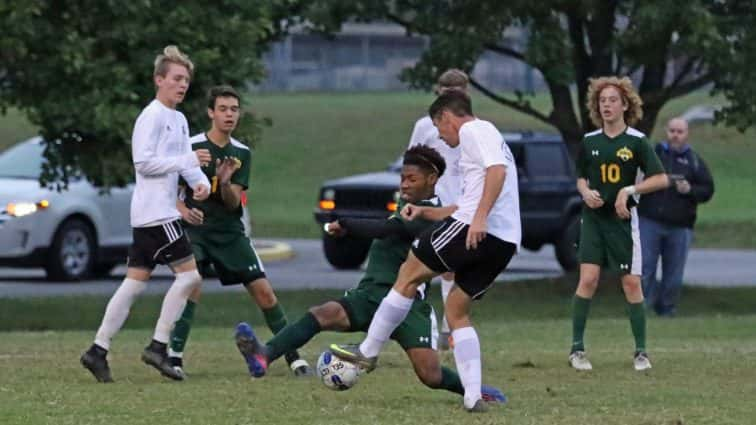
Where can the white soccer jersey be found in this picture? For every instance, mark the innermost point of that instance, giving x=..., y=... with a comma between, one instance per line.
x=161, y=150
x=482, y=146
x=449, y=186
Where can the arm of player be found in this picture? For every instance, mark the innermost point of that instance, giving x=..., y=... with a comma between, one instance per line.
x=413, y=212
x=230, y=192
x=195, y=178
x=591, y=197
x=648, y=185
x=193, y=216
x=368, y=228
x=492, y=186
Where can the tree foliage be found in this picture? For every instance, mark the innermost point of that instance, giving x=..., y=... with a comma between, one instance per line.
x=669, y=48
x=81, y=70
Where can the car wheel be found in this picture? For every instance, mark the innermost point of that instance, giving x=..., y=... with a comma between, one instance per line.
x=72, y=253
x=565, y=246
x=346, y=252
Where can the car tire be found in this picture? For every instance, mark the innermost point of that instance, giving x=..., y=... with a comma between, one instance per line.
x=565, y=246
x=72, y=253
x=345, y=252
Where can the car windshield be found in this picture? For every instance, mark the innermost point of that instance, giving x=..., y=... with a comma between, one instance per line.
x=23, y=160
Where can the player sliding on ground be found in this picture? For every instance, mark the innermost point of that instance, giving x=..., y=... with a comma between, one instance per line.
x=607, y=168
x=417, y=333
x=476, y=240
x=216, y=230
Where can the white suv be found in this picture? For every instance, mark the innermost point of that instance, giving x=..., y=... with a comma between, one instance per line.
x=74, y=234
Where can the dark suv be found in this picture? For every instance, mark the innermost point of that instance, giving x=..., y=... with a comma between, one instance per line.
x=549, y=202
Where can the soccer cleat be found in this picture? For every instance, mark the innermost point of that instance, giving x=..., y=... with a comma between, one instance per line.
x=492, y=395
x=579, y=361
x=443, y=341
x=98, y=365
x=351, y=353
x=177, y=363
x=156, y=356
x=250, y=349
x=479, y=407
x=301, y=369
x=641, y=361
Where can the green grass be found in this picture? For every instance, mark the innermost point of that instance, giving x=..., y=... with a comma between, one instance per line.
x=13, y=128
x=315, y=137
x=703, y=366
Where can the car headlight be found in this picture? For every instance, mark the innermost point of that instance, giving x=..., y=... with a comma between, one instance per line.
x=20, y=209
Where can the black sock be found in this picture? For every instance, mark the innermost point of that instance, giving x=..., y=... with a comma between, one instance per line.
x=97, y=351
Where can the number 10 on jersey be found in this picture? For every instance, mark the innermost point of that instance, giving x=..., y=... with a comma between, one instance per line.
x=610, y=173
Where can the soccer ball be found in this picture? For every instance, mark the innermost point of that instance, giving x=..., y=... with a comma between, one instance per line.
x=337, y=374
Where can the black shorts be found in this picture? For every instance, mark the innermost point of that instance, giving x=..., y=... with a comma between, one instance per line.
x=442, y=249
x=162, y=244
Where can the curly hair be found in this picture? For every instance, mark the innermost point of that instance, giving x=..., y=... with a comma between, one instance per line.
x=426, y=158
x=630, y=97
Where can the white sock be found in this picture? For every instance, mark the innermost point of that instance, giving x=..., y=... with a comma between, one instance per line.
x=467, y=358
x=174, y=303
x=390, y=314
x=118, y=310
x=446, y=286
x=172, y=353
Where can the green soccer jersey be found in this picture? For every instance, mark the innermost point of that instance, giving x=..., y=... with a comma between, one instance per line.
x=218, y=218
x=387, y=255
x=609, y=164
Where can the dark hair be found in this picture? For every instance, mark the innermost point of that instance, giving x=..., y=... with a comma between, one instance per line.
x=455, y=101
x=220, y=91
x=426, y=158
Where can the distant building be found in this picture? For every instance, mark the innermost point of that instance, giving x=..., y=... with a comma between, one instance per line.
x=369, y=57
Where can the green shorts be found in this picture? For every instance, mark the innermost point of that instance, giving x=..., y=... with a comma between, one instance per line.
x=230, y=256
x=610, y=242
x=418, y=330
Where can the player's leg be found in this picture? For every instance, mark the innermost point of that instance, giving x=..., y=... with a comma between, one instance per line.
x=183, y=326
x=140, y=265
x=177, y=254
x=447, y=282
x=591, y=254
x=624, y=255
x=332, y=315
x=275, y=317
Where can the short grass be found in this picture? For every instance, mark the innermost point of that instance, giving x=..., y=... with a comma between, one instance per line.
x=317, y=136
x=703, y=367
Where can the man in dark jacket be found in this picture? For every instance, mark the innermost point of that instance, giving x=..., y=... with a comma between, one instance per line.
x=667, y=217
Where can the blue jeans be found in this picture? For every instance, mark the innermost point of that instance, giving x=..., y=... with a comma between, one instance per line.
x=671, y=243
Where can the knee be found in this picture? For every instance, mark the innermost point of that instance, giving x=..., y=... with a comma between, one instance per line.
x=329, y=316
x=429, y=376
x=631, y=286
x=588, y=283
x=263, y=294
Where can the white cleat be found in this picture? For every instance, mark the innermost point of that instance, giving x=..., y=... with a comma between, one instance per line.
x=641, y=361
x=579, y=361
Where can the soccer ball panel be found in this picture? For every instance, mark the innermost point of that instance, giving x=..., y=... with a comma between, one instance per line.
x=335, y=373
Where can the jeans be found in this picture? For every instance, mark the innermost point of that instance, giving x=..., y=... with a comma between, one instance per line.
x=672, y=244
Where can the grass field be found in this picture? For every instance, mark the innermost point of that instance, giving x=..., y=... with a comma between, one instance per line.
x=703, y=366
x=319, y=136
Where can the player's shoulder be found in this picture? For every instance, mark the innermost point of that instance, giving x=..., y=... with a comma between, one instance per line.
x=239, y=145
x=198, y=138
x=635, y=134
x=592, y=134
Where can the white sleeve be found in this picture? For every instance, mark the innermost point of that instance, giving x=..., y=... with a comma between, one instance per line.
x=485, y=149
x=421, y=133
x=144, y=142
x=194, y=177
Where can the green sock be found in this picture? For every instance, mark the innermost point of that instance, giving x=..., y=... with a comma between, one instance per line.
x=180, y=333
x=450, y=381
x=637, y=313
x=293, y=336
x=275, y=317
x=580, y=308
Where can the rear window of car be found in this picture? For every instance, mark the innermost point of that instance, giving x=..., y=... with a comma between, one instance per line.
x=546, y=161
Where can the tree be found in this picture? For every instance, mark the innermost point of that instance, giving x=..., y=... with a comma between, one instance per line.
x=81, y=70
x=670, y=48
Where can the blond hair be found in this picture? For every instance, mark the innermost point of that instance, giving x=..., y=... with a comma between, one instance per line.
x=452, y=79
x=630, y=97
x=172, y=54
